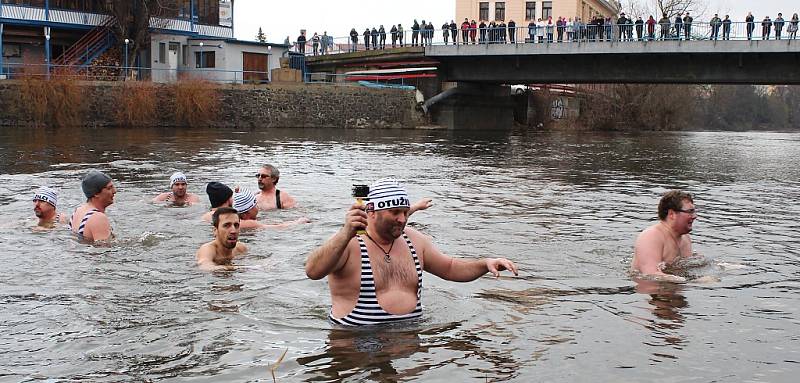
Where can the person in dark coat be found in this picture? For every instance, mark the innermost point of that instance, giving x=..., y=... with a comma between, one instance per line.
x=393, y=32
x=367, y=35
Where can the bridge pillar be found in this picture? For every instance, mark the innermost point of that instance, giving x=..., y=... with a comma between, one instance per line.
x=476, y=107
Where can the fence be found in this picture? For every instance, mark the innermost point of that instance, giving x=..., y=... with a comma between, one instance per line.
x=569, y=33
x=132, y=73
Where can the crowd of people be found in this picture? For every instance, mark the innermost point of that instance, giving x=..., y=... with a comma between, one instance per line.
x=559, y=29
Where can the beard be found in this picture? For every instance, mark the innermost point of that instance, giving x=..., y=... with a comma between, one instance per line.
x=38, y=213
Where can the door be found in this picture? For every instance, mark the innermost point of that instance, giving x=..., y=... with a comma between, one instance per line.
x=172, y=61
x=255, y=67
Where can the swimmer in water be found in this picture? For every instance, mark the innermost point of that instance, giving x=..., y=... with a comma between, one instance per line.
x=220, y=196
x=45, y=203
x=89, y=221
x=270, y=197
x=218, y=253
x=245, y=204
x=376, y=277
x=178, y=196
x=668, y=241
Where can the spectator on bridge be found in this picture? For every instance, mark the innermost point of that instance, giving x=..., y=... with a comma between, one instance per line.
x=401, y=35
x=792, y=29
x=431, y=31
x=532, y=31
x=512, y=31
x=766, y=28
x=465, y=31
x=549, y=29
x=446, y=32
x=374, y=34
x=715, y=23
x=473, y=31
x=393, y=32
x=569, y=28
x=415, y=33
x=482, y=28
x=301, y=42
x=501, y=31
x=541, y=25
x=353, y=40
x=687, y=26
x=664, y=23
x=651, y=28
x=325, y=42
x=576, y=29
x=778, y=23
x=367, y=35
x=560, y=29
x=609, y=28
x=726, y=28
x=639, y=28
x=622, y=22
x=315, y=43
x=382, y=34
x=751, y=24
x=454, y=31
x=678, y=27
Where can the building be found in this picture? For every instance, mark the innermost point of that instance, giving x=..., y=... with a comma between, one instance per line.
x=525, y=11
x=185, y=36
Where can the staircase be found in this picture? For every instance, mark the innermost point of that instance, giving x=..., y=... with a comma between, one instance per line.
x=88, y=47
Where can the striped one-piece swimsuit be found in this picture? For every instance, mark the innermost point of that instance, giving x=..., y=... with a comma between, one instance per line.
x=82, y=225
x=367, y=310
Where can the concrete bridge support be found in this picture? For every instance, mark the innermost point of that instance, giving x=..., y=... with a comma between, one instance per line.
x=476, y=107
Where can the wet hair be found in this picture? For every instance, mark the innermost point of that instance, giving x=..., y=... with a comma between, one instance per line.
x=672, y=200
x=273, y=171
x=222, y=211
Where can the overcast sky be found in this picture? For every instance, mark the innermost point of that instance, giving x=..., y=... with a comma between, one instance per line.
x=281, y=18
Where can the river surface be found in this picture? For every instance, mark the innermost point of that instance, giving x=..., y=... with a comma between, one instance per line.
x=565, y=207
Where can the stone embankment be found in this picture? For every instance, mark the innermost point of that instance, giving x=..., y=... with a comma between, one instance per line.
x=243, y=106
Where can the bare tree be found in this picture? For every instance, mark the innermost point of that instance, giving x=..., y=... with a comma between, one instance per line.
x=135, y=18
x=672, y=8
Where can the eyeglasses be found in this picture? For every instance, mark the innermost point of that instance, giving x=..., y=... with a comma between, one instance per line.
x=262, y=176
x=688, y=211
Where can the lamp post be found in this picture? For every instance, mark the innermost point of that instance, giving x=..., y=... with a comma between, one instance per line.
x=47, y=53
x=269, y=55
x=127, y=41
x=200, y=65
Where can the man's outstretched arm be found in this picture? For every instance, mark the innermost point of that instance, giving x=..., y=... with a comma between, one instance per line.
x=332, y=255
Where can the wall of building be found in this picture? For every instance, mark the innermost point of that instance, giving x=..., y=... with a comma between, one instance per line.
x=515, y=9
x=273, y=106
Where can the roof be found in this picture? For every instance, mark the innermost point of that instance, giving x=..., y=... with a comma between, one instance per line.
x=240, y=42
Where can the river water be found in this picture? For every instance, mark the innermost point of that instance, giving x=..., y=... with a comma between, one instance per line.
x=565, y=207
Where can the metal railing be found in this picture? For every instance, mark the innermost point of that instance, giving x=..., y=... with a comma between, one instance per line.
x=14, y=71
x=570, y=33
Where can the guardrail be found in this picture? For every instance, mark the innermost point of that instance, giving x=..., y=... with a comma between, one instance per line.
x=132, y=73
x=545, y=34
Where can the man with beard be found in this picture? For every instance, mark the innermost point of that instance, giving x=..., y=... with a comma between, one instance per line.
x=270, y=197
x=45, y=202
x=218, y=253
x=178, y=196
x=376, y=277
x=668, y=241
x=89, y=221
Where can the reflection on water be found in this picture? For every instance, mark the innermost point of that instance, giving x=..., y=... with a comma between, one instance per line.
x=565, y=207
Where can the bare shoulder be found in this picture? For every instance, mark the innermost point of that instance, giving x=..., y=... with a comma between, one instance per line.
x=98, y=219
x=205, y=250
x=193, y=198
x=161, y=197
x=649, y=236
x=241, y=248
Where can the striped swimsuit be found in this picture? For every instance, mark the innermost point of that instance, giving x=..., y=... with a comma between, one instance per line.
x=367, y=310
x=83, y=222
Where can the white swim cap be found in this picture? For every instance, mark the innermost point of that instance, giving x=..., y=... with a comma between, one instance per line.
x=176, y=177
x=386, y=193
x=46, y=194
x=243, y=201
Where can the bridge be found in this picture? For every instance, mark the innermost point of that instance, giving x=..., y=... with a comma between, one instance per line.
x=482, y=71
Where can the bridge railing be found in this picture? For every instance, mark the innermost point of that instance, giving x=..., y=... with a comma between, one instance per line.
x=572, y=33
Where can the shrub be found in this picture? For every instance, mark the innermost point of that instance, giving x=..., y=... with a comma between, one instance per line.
x=57, y=102
x=137, y=104
x=196, y=101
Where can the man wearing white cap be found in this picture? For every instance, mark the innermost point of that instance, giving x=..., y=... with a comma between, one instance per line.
x=376, y=277
x=45, y=203
x=178, y=196
x=89, y=221
x=245, y=204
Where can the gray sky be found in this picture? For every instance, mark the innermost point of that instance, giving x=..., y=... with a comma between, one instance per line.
x=280, y=18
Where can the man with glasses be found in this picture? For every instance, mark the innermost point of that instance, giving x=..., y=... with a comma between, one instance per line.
x=270, y=197
x=664, y=243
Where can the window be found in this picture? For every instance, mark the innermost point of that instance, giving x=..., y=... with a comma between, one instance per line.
x=530, y=10
x=499, y=11
x=547, y=9
x=483, y=10
x=162, y=52
x=205, y=59
x=12, y=50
